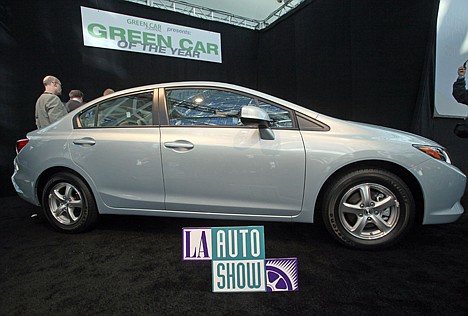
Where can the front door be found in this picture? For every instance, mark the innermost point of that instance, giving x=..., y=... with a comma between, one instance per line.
x=214, y=164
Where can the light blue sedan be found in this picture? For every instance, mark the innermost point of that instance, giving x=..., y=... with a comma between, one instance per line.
x=220, y=151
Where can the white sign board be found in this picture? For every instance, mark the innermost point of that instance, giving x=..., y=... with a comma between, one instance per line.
x=451, y=53
x=110, y=30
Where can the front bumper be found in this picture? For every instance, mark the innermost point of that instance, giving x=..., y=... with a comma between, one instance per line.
x=443, y=186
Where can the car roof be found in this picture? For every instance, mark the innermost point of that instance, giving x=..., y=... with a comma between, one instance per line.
x=211, y=84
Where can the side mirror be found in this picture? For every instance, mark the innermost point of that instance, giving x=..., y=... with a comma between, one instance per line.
x=255, y=116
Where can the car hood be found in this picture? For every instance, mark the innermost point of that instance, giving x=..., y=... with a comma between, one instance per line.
x=351, y=129
x=388, y=132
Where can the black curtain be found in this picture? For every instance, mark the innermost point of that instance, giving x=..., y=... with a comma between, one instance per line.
x=422, y=122
x=358, y=60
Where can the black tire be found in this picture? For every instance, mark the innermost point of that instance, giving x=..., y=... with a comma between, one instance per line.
x=368, y=209
x=68, y=203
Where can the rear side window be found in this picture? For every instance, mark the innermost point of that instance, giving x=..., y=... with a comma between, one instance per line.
x=126, y=111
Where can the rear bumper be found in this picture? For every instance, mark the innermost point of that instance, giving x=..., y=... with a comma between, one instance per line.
x=23, y=184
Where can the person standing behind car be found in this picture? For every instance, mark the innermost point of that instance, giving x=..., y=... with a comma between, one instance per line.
x=76, y=100
x=108, y=91
x=459, y=87
x=49, y=107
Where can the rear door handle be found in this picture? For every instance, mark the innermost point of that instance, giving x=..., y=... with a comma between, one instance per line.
x=87, y=141
x=180, y=145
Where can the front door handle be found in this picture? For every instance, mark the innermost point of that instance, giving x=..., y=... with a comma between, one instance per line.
x=179, y=145
x=87, y=141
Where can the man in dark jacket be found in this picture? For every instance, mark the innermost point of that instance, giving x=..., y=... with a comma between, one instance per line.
x=459, y=87
x=461, y=95
x=76, y=100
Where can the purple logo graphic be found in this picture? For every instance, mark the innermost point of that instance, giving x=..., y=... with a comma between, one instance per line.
x=281, y=275
x=196, y=244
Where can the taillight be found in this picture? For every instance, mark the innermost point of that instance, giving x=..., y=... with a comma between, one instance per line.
x=20, y=144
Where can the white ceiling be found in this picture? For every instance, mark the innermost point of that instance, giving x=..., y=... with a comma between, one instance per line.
x=252, y=9
x=253, y=14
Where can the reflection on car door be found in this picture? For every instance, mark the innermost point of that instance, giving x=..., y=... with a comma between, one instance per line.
x=232, y=170
x=124, y=164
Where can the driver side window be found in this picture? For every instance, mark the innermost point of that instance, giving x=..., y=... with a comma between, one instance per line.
x=218, y=108
x=205, y=107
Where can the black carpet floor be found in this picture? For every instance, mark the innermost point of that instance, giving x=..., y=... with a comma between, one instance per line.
x=132, y=266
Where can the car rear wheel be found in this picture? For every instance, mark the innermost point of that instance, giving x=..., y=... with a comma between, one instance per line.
x=368, y=209
x=69, y=204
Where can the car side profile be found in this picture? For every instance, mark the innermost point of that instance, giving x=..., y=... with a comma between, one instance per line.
x=221, y=151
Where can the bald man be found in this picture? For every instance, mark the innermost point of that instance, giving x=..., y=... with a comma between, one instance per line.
x=49, y=107
x=108, y=91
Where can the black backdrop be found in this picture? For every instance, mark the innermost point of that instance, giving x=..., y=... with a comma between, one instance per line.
x=364, y=60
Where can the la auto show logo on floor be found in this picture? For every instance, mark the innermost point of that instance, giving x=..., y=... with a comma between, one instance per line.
x=238, y=259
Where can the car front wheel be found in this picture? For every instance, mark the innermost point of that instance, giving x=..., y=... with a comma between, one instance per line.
x=69, y=204
x=368, y=209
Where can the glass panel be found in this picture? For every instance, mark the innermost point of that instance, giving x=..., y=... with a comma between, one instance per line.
x=88, y=118
x=123, y=111
x=279, y=117
x=205, y=107
x=308, y=124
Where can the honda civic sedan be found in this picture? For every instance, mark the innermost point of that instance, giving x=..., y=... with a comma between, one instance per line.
x=219, y=151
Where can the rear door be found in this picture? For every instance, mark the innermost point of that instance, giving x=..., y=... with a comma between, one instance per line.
x=117, y=144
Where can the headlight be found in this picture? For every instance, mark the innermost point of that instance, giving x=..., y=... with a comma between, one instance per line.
x=438, y=153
